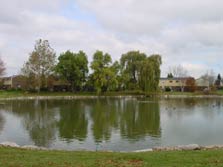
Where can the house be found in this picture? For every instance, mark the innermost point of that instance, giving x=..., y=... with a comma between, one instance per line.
x=22, y=82
x=202, y=83
x=59, y=85
x=13, y=82
x=177, y=83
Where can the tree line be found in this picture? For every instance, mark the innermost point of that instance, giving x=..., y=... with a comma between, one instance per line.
x=134, y=70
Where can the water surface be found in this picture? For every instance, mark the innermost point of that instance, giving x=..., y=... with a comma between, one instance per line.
x=118, y=124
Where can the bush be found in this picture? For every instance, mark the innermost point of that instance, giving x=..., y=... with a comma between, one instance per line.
x=167, y=89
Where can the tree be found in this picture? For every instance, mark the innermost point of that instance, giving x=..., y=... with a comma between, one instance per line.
x=2, y=67
x=219, y=77
x=73, y=67
x=181, y=73
x=103, y=74
x=116, y=67
x=191, y=84
x=169, y=75
x=150, y=73
x=218, y=81
x=178, y=71
x=40, y=64
x=210, y=77
x=131, y=63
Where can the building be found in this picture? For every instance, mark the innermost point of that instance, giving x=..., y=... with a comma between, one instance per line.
x=202, y=83
x=13, y=82
x=23, y=83
x=176, y=84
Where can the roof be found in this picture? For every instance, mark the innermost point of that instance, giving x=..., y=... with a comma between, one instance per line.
x=175, y=78
x=9, y=77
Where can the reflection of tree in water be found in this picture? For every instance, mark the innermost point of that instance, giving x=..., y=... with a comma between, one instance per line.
x=38, y=119
x=135, y=120
x=105, y=117
x=42, y=118
x=73, y=122
x=139, y=119
x=2, y=122
x=41, y=124
x=41, y=121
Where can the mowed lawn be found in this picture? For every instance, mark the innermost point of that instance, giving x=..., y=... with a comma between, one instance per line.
x=11, y=157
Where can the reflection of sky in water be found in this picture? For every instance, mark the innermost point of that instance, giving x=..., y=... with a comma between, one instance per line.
x=112, y=124
x=200, y=123
x=13, y=130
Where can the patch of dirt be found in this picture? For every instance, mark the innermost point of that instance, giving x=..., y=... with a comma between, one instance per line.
x=119, y=163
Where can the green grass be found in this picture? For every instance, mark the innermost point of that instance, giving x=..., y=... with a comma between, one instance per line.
x=11, y=157
x=219, y=92
x=180, y=93
x=8, y=94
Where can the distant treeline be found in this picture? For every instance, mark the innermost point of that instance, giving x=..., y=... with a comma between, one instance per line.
x=134, y=70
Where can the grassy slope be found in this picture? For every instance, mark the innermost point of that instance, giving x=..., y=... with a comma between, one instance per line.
x=10, y=157
x=8, y=94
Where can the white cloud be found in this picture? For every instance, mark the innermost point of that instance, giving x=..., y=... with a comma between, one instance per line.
x=184, y=32
x=195, y=70
x=148, y=16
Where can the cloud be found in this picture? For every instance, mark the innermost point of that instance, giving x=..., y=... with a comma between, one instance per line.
x=195, y=70
x=184, y=32
x=148, y=16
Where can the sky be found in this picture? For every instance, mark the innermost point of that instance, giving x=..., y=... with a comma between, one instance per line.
x=185, y=32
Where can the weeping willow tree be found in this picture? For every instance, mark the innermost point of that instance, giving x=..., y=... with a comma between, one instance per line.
x=130, y=68
x=150, y=73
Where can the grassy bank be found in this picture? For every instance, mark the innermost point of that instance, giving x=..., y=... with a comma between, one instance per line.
x=8, y=94
x=11, y=157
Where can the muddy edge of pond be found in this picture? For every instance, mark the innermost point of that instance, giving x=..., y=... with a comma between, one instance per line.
x=171, y=148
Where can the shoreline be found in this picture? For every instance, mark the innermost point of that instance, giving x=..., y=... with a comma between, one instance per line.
x=189, y=147
x=71, y=97
x=65, y=97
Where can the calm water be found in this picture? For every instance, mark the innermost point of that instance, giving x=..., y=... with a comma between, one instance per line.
x=119, y=124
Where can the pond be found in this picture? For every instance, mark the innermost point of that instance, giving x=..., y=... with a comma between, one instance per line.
x=118, y=124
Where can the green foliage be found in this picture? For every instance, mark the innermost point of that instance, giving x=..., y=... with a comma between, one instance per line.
x=140, y=71
x=169, y=75
x=150, y=73
x=73, y=67
x=103, y=76
x=130, y=69
x=219, y=77
x=134, y=72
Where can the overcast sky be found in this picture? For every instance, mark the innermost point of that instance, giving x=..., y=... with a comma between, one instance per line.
x=186, y=32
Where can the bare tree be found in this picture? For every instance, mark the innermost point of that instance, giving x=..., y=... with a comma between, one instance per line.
x=178, y=71
x=181, y=73
x=209, y=76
